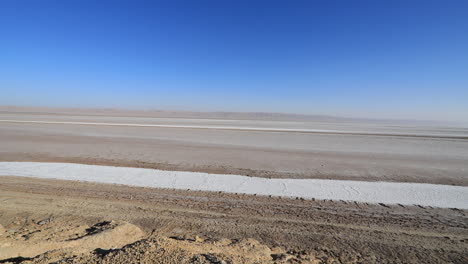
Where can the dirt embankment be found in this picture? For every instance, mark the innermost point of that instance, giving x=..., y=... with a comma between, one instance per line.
x=97, y=223
x=59, y=241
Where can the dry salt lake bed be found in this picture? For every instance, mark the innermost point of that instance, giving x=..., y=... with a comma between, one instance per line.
x=343, y=190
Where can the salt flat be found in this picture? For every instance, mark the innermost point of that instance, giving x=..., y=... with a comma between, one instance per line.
x=246, y=128
x=388, y=151
x=369, y=192
x=147, y=162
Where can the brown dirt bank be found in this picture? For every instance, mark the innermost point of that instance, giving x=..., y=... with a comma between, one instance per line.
x=190, y=227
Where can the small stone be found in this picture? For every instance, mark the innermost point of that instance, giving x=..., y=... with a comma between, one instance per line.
x=45, y=221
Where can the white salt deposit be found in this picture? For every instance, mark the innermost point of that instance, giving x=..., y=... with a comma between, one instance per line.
x=240, y=128
x=360, y=191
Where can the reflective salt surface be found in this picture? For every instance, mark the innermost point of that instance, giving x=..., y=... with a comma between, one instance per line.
x=360, y=191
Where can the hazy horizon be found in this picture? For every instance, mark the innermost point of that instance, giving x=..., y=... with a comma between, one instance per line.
x=361, y=59
x=175, y=113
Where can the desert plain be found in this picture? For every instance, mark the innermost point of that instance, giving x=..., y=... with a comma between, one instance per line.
x=62, y=221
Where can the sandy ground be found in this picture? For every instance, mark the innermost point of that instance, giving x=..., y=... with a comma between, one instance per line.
x=53, y=221
x=440, y=160
x=73, y=222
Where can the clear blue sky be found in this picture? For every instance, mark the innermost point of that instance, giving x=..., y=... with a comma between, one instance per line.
x=397, y=59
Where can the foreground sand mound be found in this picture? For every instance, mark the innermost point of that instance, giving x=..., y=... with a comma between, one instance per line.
x=46, y=236
x=54, y=241
x=173, y=250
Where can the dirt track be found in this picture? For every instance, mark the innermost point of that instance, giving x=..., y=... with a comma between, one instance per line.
x=308, y=230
